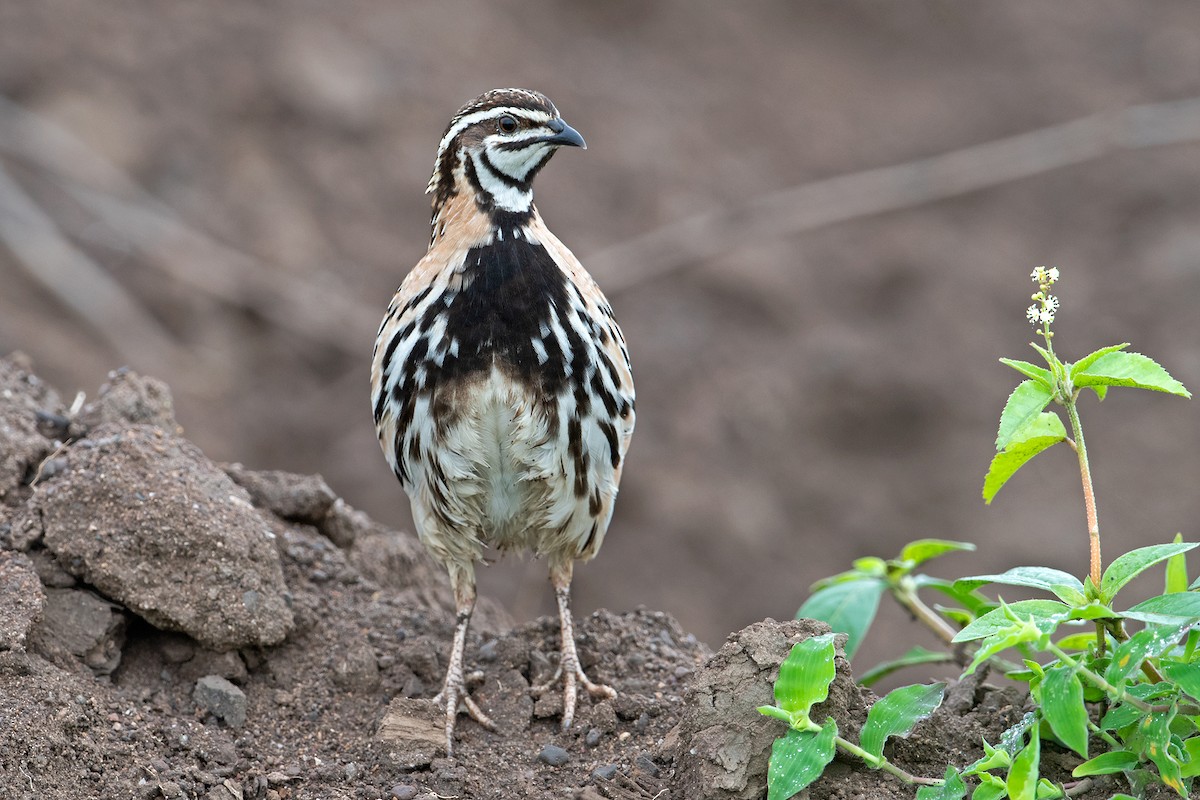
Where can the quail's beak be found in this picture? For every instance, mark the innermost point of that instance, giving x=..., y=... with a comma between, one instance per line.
x=564, y=134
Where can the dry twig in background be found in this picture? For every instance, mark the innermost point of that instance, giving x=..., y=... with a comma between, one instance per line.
x=316, y=309
x=689, y=242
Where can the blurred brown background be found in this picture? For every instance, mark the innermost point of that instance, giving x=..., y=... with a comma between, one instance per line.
x=225, y=194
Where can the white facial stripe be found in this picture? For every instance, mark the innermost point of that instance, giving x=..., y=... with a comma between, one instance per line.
x=479, y=116
x=504, y=196
x=517, y=163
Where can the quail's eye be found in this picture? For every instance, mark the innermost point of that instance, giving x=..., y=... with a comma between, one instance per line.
x=508, y=124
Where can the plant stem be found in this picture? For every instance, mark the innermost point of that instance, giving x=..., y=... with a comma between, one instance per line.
x=1089, y=493
x=1118, y=631
x=1079, y=788
x=961, y=653
x=1118, y=694
x=1105, y=735
x=885, y=765
x=908, y=598
x=804, y=723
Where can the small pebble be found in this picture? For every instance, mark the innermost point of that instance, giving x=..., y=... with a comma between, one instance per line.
x=642, y=723
x=593, y=737
x=553, y=755
x=647, y=766
x=487, y=650
x=605, y=773
x=403, y=791
x=222, y=698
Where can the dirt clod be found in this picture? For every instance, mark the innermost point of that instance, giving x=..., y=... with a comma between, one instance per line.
x=128, y=398
x=220, y=697
x=141, y=513
x=85, y=625
x=21, y=599
x=724, y=743
x=414, y=730
x=296, y=498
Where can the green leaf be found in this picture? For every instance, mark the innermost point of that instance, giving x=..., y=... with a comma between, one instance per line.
x=1129, y=369
x=1093, y=610
x=798, y=758
x=972, y=601
x=1082, y=364
x=1106, y=764
x=922, y=550
x=1157, y=732
x=1013, y=738
x=993, y=758
x=870, y=566
x=1050, y=359
x=805, y=675
x=1047, y=790
x=1063, y=708
x=1191, y=748
x=1077, y=641
x=841, y=577
x=1185, y=676
x=1042, y=432
x=1022, y=780
x=914, y=657
x=1167, y=609
x=1023, y=406
x=1126, y=566
x=1147, y=643
x=1039, y=374
x=897, y=713
x=952, y=789
x=1176, y=579
x=990, y=788
x=1121, y=716
x=1017, y=634
x=1063, y=584
x=775, y=712
x=1046, y=614
x=847, y=607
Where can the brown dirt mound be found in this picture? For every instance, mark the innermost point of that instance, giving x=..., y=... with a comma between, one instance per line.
x=178, y=629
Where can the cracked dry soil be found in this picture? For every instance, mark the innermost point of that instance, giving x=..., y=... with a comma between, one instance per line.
x=174, y=628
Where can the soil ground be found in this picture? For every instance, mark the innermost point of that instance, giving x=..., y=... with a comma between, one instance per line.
x=326, y=694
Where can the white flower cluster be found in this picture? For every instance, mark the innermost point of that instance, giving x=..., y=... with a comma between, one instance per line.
x=1044, y=277
x=1044, y=306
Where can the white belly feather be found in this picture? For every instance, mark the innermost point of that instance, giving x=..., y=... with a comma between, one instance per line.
x=500, y=479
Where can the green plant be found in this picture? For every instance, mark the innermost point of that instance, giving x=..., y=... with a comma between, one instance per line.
x=800, y=755
x=1144, y=684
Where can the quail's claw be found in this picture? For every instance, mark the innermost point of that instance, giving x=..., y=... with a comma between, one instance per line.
x=569, y=670
x=453, y=695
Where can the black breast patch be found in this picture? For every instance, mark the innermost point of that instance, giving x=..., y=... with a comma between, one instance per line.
x=512, y=293
x=511, y=289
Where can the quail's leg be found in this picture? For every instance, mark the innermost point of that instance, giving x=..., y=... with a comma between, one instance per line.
x=568, y=664
x=454, y=691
